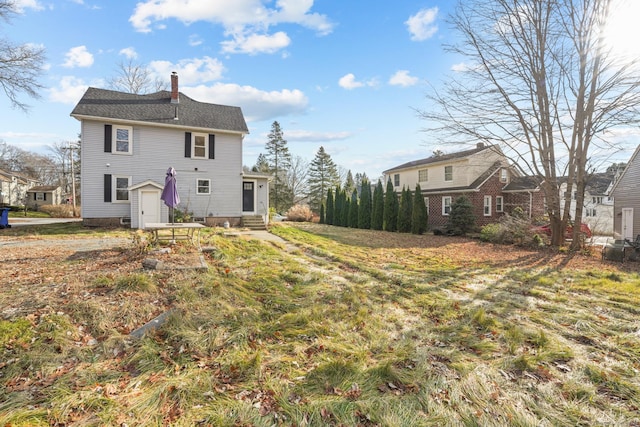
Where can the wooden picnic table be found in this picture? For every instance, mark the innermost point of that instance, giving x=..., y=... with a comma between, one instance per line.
x=179, y=231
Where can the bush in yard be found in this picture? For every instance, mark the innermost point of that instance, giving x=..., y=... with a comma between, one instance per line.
x=60, y=211
x=299, y=213
x=461, y=218
x=512, y=229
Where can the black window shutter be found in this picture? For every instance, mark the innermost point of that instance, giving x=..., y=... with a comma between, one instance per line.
x=35, y=196
x=212, y=146
x=107, y=188
x=45, y=197
x=187, y=144
x=107, y=138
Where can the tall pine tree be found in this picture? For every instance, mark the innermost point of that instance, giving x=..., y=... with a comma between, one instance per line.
x=353, y=210
x=349, y=183
x=390, y=214
x=404, y=214
x=377, y=209
x=364, y=214
x=330, y=208
x=322, y=175
x=419, y=212
x=278, y=160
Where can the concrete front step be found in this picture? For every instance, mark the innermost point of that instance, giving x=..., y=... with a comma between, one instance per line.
x=253, y=223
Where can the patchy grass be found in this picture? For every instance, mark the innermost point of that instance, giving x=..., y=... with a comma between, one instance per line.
x=339, y=327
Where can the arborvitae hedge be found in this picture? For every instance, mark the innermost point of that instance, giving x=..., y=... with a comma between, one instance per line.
x=404, y=214
x=353, y=209
x=364, y=214
x=390, y=214
x=377, y=209
x=419, y=213
x=330, y=214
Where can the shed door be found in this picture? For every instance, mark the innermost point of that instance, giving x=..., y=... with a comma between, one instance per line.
x=248, y=196
x=149, y=207
x=627, y=223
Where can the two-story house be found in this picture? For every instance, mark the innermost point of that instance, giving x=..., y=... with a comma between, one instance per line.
x=597, y=211
x=14, y=187
x=129, y=141
x=626, y=200
x=482, y=174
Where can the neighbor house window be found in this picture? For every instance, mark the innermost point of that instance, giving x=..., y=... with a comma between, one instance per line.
x=40, y=196
x=203, y=186
x=200, y=146
x=591, y=212
x=446, y=205
x=487, y=205
x=426, y=203
x=448, y=173
x=396, y=180
x=597, y=200
x=499, y=204
x=423, y=175
x=121, y=188
x=503, y=175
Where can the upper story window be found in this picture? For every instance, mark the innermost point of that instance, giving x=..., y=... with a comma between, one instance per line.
x=118, y=139
x=423, y=175
x=396, y=180
x=199, y=146
x=448, y=173
x=203, y=186
x=597, y=200
x=503, y=175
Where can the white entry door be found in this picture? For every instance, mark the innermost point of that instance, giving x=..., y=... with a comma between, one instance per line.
x=627, y=223
x=149, y=207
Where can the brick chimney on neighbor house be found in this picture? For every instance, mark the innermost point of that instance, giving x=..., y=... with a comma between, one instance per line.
x=175, y=97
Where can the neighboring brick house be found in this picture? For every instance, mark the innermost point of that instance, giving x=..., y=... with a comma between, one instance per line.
x=482, y=174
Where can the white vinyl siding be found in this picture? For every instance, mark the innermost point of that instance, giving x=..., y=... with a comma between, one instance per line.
x=448, y=173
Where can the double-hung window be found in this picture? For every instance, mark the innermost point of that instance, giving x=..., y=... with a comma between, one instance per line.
x=396, y=180
x=446, y=205
x=423, y=175
x=448, y=173
x=499, y=204
x=121, y=188
x=487, y=205
x=203, y=186
x=200, y=148
x=118, y=139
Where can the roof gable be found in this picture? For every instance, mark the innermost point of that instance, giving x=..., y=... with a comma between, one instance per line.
x=157, y=108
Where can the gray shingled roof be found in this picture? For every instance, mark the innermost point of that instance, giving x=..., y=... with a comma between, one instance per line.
x=157, y=108
x=442, y=158
x=523, y=183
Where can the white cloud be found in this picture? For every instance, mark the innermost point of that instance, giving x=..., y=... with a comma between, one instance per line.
x=256, y=104
x=21, y=5
x=243, y=20
x=69, y=90
x=78, y=57
x=195, y=40
x=190, y=71
x=402, y=78
x=422, y=25
x=256, y=43
x=129, y=52
x=349, y=82
x=314, y=136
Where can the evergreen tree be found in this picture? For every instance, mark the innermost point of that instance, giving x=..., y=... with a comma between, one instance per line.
x=461, y=218
x=330, y=213
x=377, y=214
x=354, y=209
x=404, y=214
x=364, y=214
x=419, y=213
x=322, y=213
x=390, y=213
x=278, y=160
x=346, y=201
x=349, y=183
x=338, y=207
x=323, y=174
x=261, y=164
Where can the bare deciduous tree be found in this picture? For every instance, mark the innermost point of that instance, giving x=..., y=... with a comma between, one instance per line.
x=135, y=78
x=20, y=64
x=540, y=82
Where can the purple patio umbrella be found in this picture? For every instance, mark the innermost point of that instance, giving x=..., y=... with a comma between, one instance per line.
x=170, y=194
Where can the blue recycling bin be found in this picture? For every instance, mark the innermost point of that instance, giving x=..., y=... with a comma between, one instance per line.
x=4, y=218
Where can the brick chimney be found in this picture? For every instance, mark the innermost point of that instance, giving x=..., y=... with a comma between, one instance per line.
x=175, y=97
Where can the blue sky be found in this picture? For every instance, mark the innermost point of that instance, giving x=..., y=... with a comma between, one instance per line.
x=346, y=75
